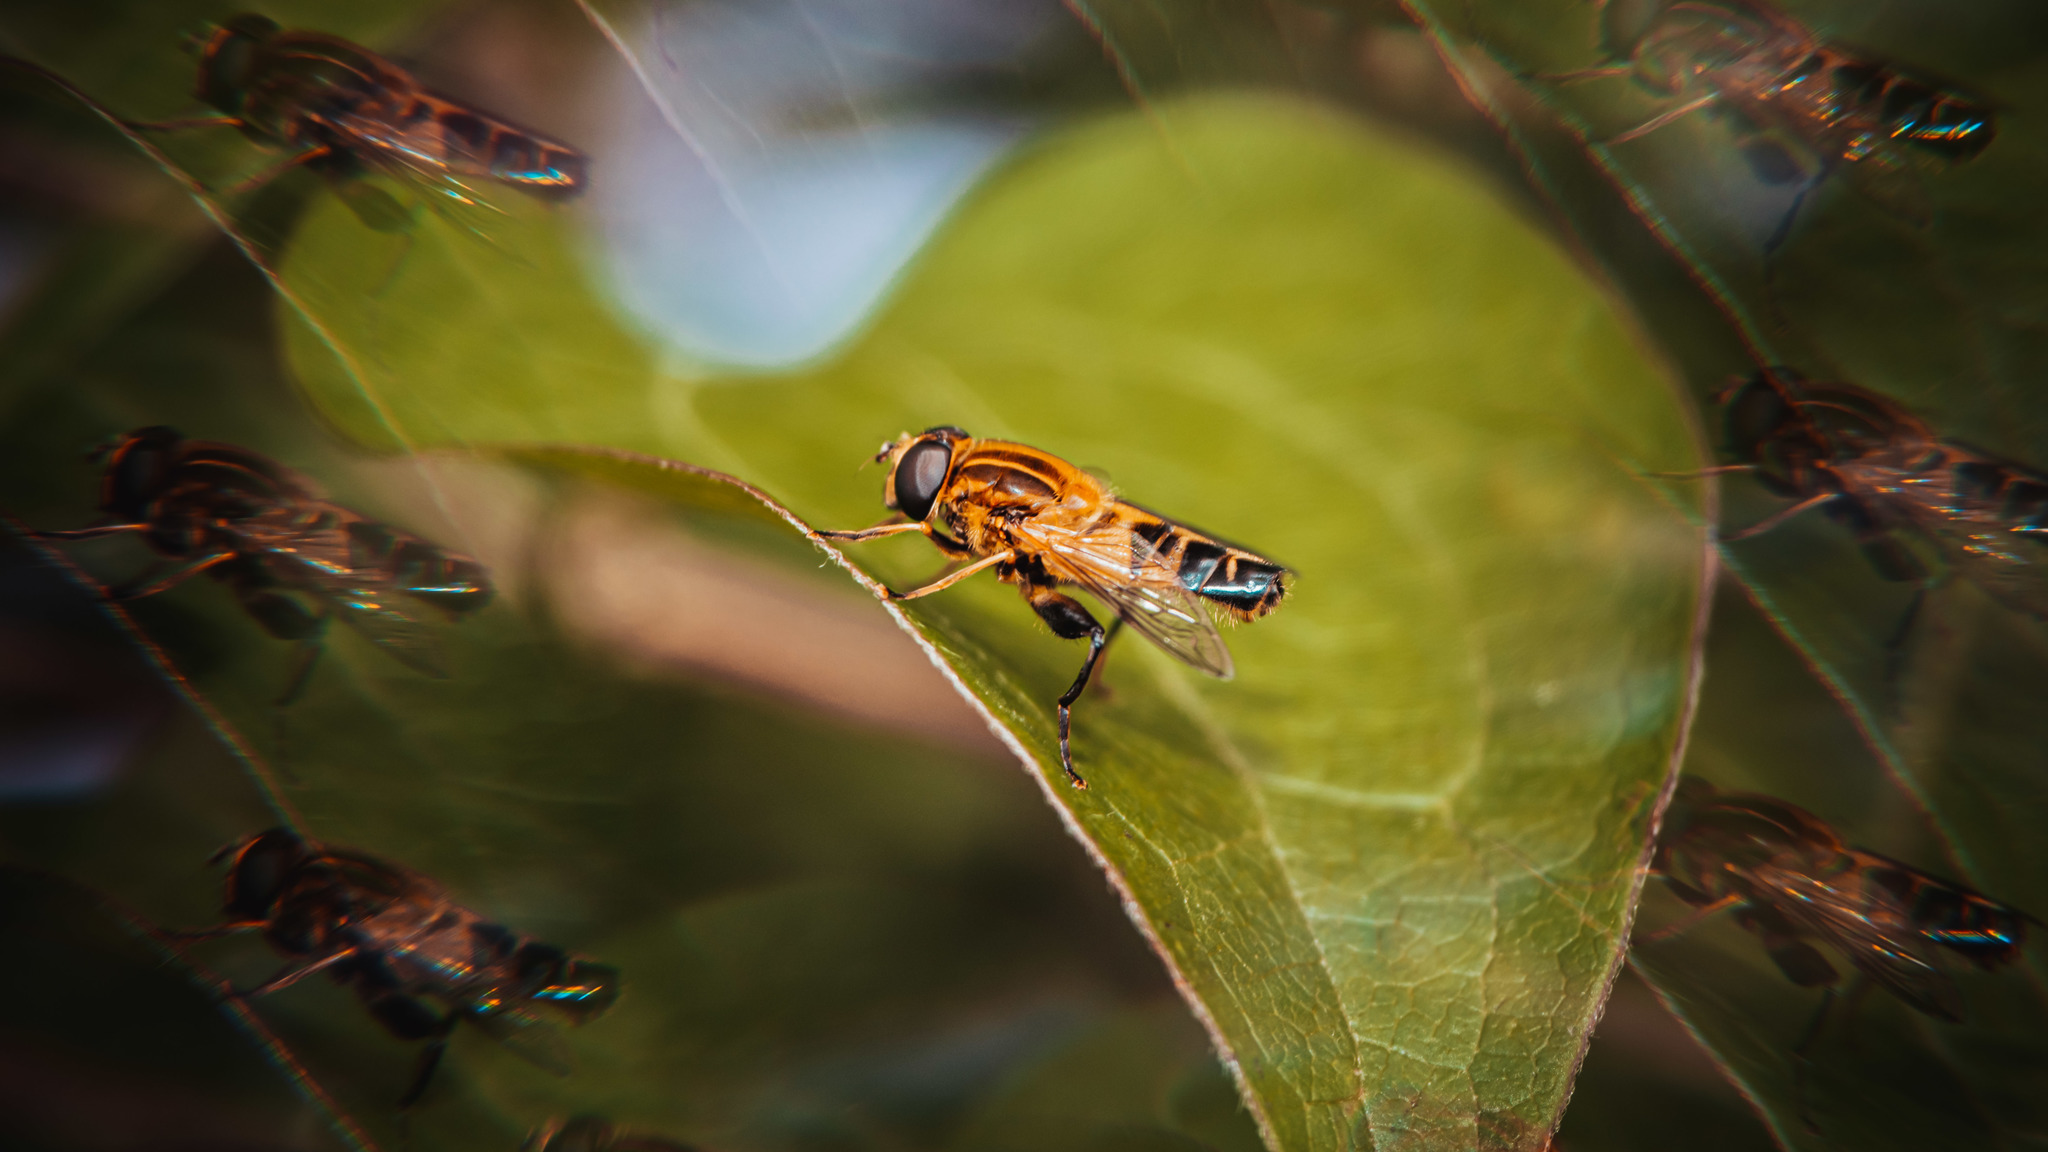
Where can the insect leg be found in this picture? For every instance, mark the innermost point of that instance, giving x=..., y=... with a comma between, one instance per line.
x=182, y=125
x=1779, y=517
x=1069, y=621
x=291, y=975
x=1784, y=229
x=430, y=1061
x=856, y=535
x=148, y=585
x=1895, y=649
x=948, y=581
x=1859, y=991
x=1716, y=470
x=200, y=935
x=302, y=672
x=1802, y=1061
x=948, y=545
x=1662, y=119
x=250, y=183
x=1600, y=73
x=1691, y=919
x=92, y=533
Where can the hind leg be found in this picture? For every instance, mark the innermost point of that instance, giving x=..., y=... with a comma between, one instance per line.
x=409, y=1019
x=1069, y=621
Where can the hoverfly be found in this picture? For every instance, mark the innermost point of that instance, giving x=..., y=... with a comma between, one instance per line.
x=1882, y=472
x=1042, y=523
x=1867, y=118
x=344, y=111
x=591, y=1133
x=1791, y=881
x=290, y=556
x=399, y=942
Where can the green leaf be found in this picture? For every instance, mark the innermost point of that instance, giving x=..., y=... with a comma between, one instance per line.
x=1391, y=862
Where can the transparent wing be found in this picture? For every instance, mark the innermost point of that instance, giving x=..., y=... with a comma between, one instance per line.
x=1892, y=954
x=1970, y=531
x=536, y=1041
x=1123, y=570
x=320, y=561
x=419, y=163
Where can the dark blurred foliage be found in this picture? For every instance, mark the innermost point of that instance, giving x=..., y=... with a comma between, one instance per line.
x=959, y=979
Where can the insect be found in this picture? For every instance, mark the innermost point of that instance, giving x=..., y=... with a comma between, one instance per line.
x=1883, y=473
x=591, y=1133
x=1042, y=524
x=401, y=944
x=292, y=558
x=1791, y=881
x=343, y=110
x=1868, y=119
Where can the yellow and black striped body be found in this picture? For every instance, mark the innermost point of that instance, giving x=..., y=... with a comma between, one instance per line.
x=994, y=486
x=305, y=91
x=1042, y=524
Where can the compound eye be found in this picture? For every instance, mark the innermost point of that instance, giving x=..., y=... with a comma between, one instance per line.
x=1755, y=414
x=919, y=476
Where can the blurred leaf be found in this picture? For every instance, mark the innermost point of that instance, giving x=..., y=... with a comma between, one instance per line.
x=1886, y=1077
x=1391, y=861
x=1933, y=313
x=115, y=1047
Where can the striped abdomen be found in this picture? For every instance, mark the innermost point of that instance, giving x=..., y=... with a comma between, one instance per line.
x=470, y=142
x=1248, y=586
x=455, y=584
x=1914, y=112
x=1981, y=929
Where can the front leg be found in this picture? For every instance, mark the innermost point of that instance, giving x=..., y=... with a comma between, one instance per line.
x=1070, y=621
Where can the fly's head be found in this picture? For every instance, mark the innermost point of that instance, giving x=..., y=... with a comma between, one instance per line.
x=227, y=59
x=136, y=470
x=918, y=469
x=260, y=871
x=1770, y=430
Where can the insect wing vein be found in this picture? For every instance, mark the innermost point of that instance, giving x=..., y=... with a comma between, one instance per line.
x=320, y=562
x=536, y=1041
x=1892, y=955
x=1122, y=569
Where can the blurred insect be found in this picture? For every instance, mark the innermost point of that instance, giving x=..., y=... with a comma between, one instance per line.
x=344, y=111
x=400, y=942
x=1880, y=471
x=1789, y=879
x=590, y=1133
x=1042, y=523
x=292, y=558
x=1874, y=122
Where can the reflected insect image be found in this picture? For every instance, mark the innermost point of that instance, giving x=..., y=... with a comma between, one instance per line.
x=1043, y=524
x=292, y=558
x=1876, y=123
x=399, y=942
x=592, y=1133
x=1882, y=472
x=345, y=111
x=1790, y=880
